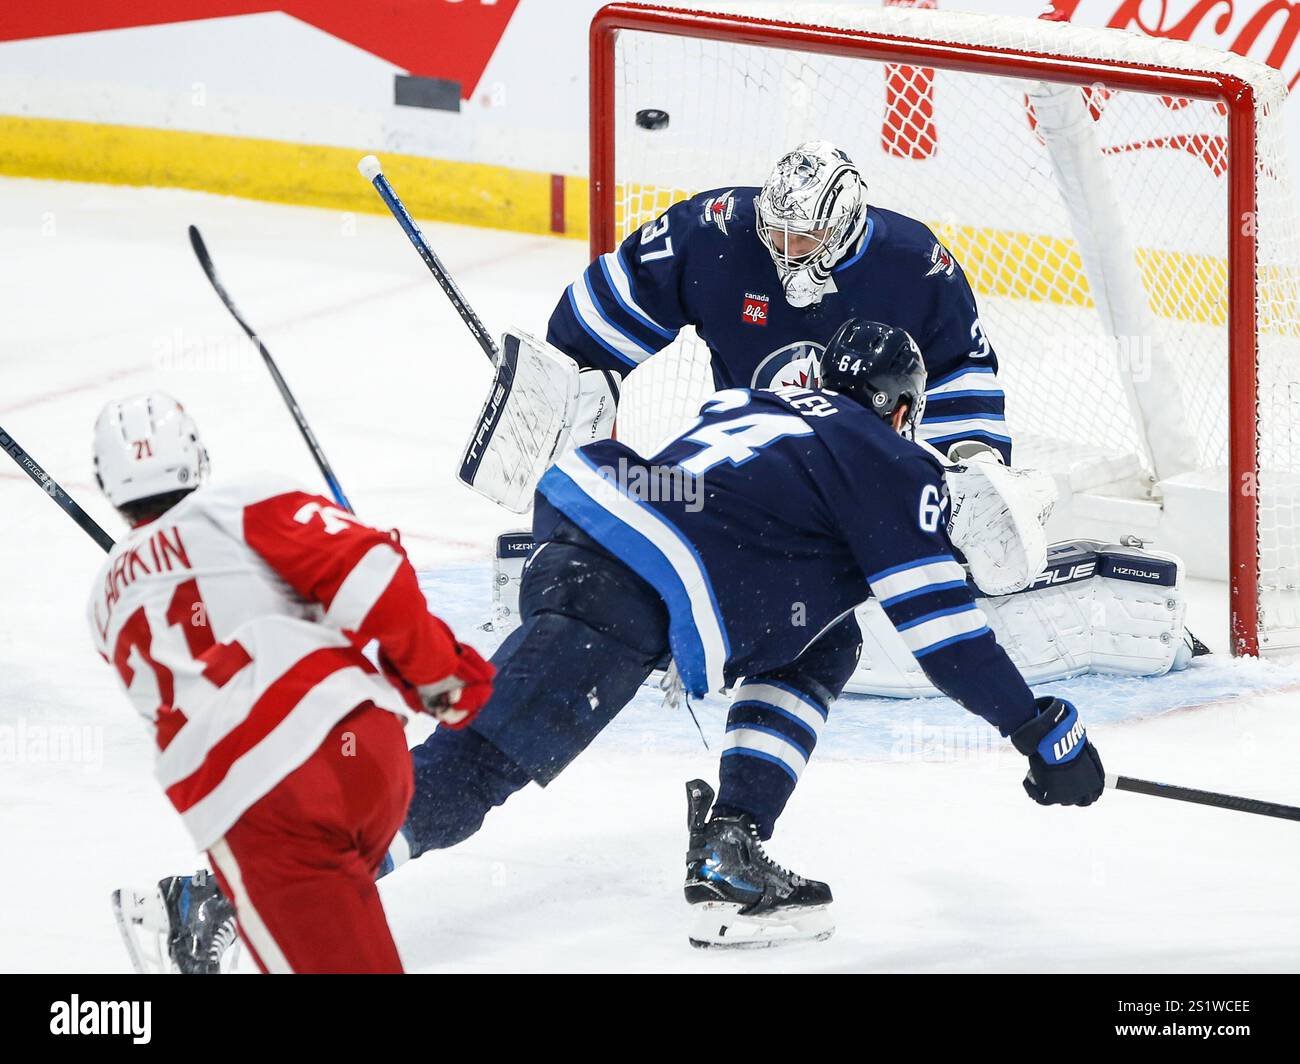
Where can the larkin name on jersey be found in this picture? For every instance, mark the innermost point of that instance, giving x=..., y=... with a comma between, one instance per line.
x=702, y=264
x=235, y=623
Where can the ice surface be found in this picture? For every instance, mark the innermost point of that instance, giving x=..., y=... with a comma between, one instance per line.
x=911, y=810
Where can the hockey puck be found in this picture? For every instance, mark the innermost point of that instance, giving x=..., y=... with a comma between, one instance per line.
x=652, y=118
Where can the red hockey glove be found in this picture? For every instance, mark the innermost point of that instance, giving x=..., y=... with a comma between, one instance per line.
x=456, y=699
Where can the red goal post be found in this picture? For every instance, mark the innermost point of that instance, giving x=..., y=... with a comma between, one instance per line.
x=1234, y=93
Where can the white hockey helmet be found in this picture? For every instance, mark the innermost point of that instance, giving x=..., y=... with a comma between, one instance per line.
x=811, y=211
x=147, y=445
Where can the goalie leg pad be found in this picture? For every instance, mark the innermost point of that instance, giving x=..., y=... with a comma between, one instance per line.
x=1094, y=608
x=512, y=554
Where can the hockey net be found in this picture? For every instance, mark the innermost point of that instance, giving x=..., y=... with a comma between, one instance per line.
x=1085, y=179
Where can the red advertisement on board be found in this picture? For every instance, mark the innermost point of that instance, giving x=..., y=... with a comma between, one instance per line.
x=448, y=39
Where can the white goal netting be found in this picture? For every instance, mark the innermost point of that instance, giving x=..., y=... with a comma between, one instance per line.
x=1091, y=221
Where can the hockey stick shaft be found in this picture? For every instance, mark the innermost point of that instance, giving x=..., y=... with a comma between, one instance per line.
x=1190, y=794
x=51, y=488
x=300, y=419
x=372, y=171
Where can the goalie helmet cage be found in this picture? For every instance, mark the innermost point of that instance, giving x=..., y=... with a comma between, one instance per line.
x=1120, y=205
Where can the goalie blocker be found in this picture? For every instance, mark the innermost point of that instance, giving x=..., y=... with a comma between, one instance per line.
x=540, y=406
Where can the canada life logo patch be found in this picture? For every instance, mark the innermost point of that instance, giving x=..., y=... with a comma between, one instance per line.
x=755, y=309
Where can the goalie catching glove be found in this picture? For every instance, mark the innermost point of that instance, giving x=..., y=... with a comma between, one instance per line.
x=997, y=517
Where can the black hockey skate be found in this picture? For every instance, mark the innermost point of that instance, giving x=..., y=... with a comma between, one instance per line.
x=184, y=926
x=742, y=898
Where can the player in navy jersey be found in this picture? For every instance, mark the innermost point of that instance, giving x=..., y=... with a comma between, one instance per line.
x=767, y=275
x=736, y=552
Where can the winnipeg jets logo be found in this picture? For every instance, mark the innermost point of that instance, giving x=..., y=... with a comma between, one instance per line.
x=797, y=364
x=941, y=261
x=800, y=170
x=719, y=209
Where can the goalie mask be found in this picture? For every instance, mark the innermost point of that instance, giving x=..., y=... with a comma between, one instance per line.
x=147, y=445
x=880, y=367
x=810, y=213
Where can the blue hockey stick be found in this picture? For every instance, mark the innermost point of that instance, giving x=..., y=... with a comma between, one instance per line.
x=373, y=172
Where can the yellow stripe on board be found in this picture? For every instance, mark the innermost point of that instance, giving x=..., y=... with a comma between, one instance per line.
x=1184, y=287
x=1048, y=269
x=308, y=174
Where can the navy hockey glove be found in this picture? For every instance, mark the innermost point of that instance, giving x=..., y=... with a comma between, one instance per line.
x=1064, y=768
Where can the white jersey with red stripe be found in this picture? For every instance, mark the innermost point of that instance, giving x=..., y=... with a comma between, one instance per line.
x=235, y=621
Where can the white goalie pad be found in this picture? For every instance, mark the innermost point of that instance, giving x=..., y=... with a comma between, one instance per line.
x=539, y=407
x=1094, y=608
x=512, y=554
x=996, y=517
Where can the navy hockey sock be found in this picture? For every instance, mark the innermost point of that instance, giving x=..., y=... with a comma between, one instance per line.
x=459, y=777
x=772, y=729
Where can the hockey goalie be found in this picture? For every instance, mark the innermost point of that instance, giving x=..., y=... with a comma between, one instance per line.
x=817, y=252
x=1060, y=611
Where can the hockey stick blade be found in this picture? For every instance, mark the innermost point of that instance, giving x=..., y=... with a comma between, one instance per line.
x=51, y=488
x=371, y=169
x=1190, y=794
x=300, y=419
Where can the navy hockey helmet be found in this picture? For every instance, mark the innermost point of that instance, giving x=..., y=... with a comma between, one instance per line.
x=880, y=367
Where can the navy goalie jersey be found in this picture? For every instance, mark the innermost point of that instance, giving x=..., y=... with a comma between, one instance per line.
x=770, y=519
x=702, y=264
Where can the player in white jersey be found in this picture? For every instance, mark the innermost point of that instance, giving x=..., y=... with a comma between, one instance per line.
x=235, y=617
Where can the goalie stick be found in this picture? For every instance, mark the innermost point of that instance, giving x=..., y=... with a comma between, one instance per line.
x=371, y=169
x=205, y=260
x=1190, y=794
x=51, y=488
